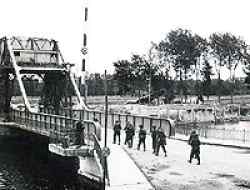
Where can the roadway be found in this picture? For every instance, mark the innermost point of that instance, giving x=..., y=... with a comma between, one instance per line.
x=222, y=168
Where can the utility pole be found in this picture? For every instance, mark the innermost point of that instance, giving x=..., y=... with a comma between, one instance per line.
x=84, y=51
x=150, y=56
x=106, y=107
x=105, y=127
x=149, y=88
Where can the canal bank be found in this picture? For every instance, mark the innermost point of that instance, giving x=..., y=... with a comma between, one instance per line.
x=27, y=164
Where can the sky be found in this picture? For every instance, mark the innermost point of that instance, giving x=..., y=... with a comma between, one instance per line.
x=118, y=28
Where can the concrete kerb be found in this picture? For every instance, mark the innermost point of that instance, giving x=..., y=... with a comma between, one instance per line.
x=137, y=165
x=214, y=144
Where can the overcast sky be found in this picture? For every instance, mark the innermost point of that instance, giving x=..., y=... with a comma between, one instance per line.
x=118, y=28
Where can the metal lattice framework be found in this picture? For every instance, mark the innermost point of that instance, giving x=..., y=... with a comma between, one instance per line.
x=30, y=53
x=20, y=55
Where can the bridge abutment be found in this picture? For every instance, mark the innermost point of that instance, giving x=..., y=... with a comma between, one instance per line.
x=5, y=93
x=62, y=171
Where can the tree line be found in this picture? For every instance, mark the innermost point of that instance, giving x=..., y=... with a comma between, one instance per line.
x=184, y=63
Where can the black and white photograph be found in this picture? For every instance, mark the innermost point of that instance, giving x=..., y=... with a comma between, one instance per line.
x=124, y=95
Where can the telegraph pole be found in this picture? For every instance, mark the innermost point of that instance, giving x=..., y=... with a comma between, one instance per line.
x=105, y=127
x=106, y=107
x=84, y=51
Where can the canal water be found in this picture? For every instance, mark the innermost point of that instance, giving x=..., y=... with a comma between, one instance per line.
x=26, y=164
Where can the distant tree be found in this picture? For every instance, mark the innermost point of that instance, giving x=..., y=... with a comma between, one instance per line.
x=137, y=68
x=151, y=67
x=230, y=49
x=183, y=49
x=201, y=50
x=123, y=75
x=206, y=73
x=247, y=72
x=218, y=53
x=99, y=84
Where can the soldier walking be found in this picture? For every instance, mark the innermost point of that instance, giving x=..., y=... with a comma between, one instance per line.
x=161, y=142
x=142, y=138
x=126, y=129
x=154, y=136
x=130, y=132
x=192, y=134
x=195, y=150
x=117, y=132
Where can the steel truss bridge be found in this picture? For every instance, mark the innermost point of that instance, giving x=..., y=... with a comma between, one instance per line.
x=53, y=118
x=42, y=57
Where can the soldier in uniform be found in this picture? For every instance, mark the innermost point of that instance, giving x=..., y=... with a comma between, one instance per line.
x=154, y=136
x=161, y=142
x=126, y=129
x=117, y=132
x=142, y=138
x=79, y=138
x=195, y=150
x=192, y=134
x=130, y=132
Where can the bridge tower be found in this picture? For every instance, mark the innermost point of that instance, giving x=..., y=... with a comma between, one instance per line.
x=5, y=92
x=25, y=56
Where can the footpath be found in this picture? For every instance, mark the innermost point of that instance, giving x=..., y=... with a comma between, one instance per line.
x=217, y=142
x=124, y=174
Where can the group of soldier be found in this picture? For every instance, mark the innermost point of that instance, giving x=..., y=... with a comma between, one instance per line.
x=158, y=137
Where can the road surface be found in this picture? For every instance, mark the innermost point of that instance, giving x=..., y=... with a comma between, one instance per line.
x=221, y=168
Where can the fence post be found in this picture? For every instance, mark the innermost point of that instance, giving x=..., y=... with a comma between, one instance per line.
x=40, y=120
x=87, y=115
x=186, y=130
x=50, y=122
x=224, y=130
x=36, y=120
x=55, y=123
x=134, y=120
x=100, y=118
x=60, y=124
x=82, y=114
x=244, y=135
x=206, y=128
x=112, y=119
x=45, y=121
x=150, y=124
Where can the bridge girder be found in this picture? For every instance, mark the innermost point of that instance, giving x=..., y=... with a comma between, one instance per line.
x=33, y=56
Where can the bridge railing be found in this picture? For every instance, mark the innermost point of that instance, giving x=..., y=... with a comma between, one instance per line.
x=61, y=129
x=136, y=120
x=102, y=159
